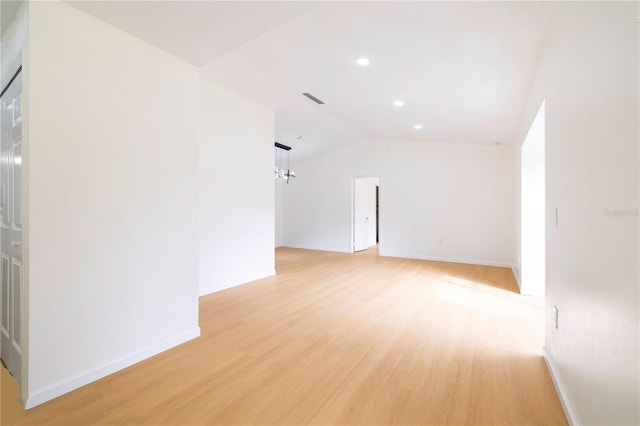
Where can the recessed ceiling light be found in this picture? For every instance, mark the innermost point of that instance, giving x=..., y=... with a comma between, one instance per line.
x=398, y=103
x=363, y=62
x=417, y=126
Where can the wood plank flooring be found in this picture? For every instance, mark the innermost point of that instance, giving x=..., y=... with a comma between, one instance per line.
x=10, y=409
x=341, y=339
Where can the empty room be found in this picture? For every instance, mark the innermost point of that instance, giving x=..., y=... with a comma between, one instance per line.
x=320, y=212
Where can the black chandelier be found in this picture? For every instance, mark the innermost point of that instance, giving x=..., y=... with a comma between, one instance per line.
x=279, y=171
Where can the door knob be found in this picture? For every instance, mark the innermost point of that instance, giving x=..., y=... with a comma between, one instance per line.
x=16, y=243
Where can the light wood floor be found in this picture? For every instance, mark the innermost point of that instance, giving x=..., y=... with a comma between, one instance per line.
x=10, y=409
x=341, y=339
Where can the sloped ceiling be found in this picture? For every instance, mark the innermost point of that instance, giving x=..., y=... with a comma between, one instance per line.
x=7, y=10
x=463, y=69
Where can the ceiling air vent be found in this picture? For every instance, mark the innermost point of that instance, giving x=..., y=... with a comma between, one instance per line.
x=313, y=98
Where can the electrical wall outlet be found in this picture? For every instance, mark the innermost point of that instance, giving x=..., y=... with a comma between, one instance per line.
x=555, y=317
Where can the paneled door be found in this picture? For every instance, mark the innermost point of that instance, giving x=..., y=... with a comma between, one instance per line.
x=11, y=223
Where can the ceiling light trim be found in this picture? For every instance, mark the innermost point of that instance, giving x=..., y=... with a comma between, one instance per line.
x=313, y=98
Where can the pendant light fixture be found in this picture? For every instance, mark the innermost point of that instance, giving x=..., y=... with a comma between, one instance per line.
x=279, y=171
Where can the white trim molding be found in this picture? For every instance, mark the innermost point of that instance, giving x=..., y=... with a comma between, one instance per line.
x=447, y=259
x=517, y=277
x=316, y=248
x=569, y=411
x=213, y=288
x=66, y=386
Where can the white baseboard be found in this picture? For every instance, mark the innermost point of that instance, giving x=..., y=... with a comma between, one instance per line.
x=569, y=412
x=317, y=248
x=446, y=259
x=213, y=288
x=517, y=277
x=66, y=386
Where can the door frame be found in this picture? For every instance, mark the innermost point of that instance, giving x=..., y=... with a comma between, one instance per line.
x=352, y=212
x=532, y=207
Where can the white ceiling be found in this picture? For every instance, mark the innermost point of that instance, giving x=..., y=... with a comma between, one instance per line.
x=463, y=69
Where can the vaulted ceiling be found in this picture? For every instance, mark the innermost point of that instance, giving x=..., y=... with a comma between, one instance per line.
x=7, y=10
x=462, y=69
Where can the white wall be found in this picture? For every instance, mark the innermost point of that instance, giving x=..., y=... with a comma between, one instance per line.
x=113, y=185
x=458, y=193
x=588, y=73
x=235, y=189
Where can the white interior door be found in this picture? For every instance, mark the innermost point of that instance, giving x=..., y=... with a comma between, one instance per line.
x=11, y=223
x=372, y=214
x=360, y=218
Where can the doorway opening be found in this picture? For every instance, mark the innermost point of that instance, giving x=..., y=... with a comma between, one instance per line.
x=365, y=227
x=532, y=216
x=377, y=214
